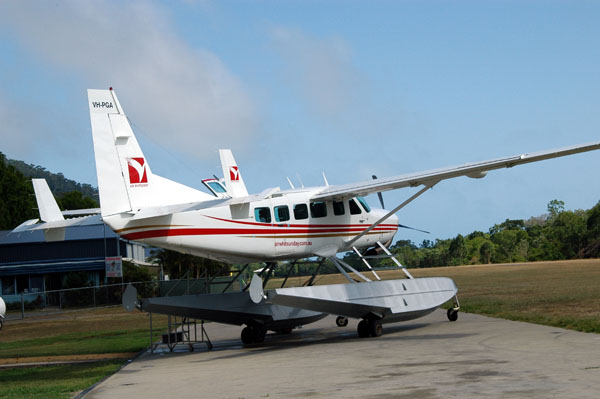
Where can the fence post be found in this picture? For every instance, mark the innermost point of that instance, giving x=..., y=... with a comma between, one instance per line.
x=94, y=294
x=60, y=300
x=22, y=306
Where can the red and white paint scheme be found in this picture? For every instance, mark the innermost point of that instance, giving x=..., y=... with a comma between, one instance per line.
x=273, y=225
x=234, y=226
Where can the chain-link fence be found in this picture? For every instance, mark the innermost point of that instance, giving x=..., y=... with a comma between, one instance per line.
x=28, y=304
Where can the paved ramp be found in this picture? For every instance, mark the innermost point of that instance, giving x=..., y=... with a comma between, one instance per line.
x=474, y=357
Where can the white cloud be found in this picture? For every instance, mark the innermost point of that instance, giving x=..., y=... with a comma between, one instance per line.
x=185, y=98
x=322, y=70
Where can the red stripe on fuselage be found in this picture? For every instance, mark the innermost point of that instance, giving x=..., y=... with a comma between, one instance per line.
x=220, y=231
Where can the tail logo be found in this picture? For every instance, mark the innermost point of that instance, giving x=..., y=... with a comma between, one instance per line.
x=234, y=173
x=137, y=171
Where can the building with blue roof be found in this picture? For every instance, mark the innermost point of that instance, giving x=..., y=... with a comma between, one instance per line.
x=30, y=264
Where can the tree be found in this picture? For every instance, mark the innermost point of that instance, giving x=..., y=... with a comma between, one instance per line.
x=457, y=251
x=176, y=264
x=486, y=252
x=75, y=200
x=555, y=207
x=16, y=197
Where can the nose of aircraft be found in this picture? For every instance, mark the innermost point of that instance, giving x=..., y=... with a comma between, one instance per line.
x=393, y=220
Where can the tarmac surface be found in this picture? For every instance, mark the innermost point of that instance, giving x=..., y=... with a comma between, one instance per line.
x=474, y=357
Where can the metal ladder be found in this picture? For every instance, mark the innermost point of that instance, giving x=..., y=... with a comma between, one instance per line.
x=387, y=254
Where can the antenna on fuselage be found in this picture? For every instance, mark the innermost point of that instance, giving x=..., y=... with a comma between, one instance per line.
x=291, y=184
x=325, y=178
x=302, y=184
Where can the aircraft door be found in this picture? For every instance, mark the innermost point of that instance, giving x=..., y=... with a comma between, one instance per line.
x=281, y=221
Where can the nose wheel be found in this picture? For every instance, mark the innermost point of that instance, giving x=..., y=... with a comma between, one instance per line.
x=452, y=313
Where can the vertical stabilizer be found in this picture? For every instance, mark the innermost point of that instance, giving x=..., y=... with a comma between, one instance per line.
x=232, y=175
x=125, y=181
x=49, y=210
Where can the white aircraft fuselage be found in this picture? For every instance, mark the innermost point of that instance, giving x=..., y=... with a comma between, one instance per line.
x=286, y=226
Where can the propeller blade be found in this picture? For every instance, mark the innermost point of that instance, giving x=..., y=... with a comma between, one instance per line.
x=412, y=228
x=379, y=194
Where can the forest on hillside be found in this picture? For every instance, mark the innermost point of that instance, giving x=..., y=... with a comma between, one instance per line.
x=17, y=201
x=57, y=182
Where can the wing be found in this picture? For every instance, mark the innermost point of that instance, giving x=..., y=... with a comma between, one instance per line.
x=430, y=177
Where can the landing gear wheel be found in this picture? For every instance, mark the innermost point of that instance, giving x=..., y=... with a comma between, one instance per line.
x=363, y=329
x=375, y=328
x=248, y=335
x=452, y=314
x=341, y=321
x=259, y=334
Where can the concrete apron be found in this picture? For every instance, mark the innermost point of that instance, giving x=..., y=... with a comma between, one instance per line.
x=431, y=357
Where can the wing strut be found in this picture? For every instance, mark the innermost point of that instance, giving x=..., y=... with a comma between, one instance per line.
x=340, y=264
x=390, y=213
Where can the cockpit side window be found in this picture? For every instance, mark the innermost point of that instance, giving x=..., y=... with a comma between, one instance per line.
x=354, y=208
x=262, y=215
x=363, y=202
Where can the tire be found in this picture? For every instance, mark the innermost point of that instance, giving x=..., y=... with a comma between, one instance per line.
x=363, y=329
x=247, y=335
x=375, y=328
x=259, y=334
x=452, y=314
x=341, y=321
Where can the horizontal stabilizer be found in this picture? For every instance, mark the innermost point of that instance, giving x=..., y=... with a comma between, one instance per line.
x=81, y=212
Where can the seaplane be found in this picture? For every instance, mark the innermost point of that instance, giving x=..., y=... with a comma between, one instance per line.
x=230, y=225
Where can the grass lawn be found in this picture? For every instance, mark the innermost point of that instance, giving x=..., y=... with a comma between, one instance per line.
x=108, y=330
x=70, y=336
x=50, y=382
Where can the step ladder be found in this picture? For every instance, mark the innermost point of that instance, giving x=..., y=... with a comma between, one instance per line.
x=385, y=255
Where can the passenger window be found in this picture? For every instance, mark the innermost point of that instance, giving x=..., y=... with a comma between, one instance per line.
x=354, y=208
x=318, y=209
x=282, y=213
x=300, y=211
x=363, y=202
x=262, y=215
x=338, y=208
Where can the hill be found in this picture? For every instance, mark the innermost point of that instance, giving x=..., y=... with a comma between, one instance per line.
x=17, y=202
x=58, y=183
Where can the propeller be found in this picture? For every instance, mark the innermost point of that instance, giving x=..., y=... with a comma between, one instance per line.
x=399, y=225
x=379, y=194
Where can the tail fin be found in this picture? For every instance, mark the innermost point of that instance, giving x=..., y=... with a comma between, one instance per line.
x=125, y=181
x=49, y=210
x=232, y=175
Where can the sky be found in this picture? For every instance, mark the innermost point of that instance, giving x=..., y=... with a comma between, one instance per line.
x=298, y=88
